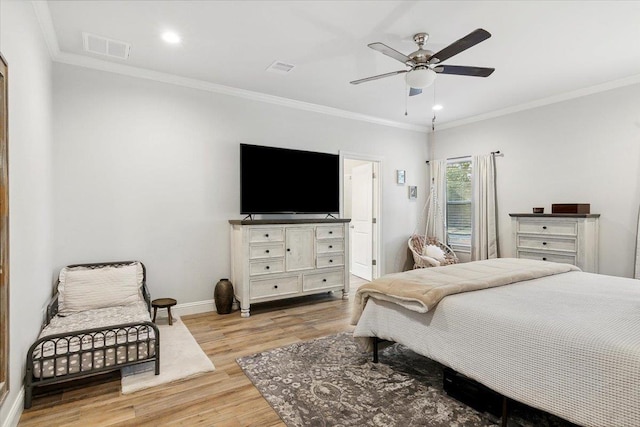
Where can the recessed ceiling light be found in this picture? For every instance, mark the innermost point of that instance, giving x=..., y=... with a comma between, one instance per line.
x=437, y=107
x=170, y=37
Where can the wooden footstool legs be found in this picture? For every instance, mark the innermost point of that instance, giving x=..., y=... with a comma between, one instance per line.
x=163, y=303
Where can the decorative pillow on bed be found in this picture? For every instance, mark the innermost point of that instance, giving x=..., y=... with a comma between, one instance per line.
x=434, y=252
x=83, y=288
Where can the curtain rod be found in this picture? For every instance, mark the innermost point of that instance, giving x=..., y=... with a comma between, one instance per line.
x=493, y=153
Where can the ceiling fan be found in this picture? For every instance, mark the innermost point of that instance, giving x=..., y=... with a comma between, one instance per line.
x=423, y=65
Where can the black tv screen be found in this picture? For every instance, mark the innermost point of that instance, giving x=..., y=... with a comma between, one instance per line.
x=280, y=180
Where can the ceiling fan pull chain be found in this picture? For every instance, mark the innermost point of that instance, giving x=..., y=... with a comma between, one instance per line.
x=433, y=120
x=406, y=96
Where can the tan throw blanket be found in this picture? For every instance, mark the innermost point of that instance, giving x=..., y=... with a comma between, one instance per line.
x=421, y=289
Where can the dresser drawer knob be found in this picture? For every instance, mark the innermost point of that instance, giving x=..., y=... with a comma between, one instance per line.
x=330, y=260
x=330, y=246
x=267, y=267
x=330, y=232
x=288, y=249
x=266, y=235
x=544, y=258
x=544, y=243
x=275, y=286
x=324, y=280
x=544, y=227
x=267, y=251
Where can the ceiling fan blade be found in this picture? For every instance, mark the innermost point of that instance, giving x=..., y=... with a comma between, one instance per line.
x=470, y=40
x=383, y=48
x=368, y=79
x=464, y=71
x=413, y=91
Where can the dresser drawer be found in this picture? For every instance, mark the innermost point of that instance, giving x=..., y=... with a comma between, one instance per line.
x=329, y=260
x=565, y=227
x=272, y=250
x=269, y=266
x=329, y=232
x=330, y=279
x=274, y=287
x=544, y=256
x=327, y=246
x=547, y=243
x=265, y=235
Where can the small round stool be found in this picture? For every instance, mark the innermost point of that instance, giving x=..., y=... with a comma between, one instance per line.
x=163, y=303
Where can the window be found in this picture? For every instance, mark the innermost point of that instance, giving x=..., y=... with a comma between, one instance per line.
x=459, y=204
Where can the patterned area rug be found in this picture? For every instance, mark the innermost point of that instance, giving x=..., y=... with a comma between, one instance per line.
x=330, y=382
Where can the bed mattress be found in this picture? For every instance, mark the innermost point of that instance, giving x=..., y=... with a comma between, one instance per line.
x=90, y=351
x=568, y=344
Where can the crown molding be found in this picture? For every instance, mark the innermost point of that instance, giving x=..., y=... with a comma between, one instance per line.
x=614, y=84
x=112, y=67
x=43, y=15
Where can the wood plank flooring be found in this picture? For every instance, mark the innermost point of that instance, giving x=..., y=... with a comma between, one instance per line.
x=223, y=398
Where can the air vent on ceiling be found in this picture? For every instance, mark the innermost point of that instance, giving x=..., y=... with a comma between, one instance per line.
x=280, y=67
x=106, y=47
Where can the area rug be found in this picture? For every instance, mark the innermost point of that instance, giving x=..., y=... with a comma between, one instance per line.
x=180, y=357
x=330, y=382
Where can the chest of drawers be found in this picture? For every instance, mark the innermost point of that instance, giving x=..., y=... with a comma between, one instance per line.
x=567, y=238
x=277, y=259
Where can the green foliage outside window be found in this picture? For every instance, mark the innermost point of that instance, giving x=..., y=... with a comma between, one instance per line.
x=459, y=204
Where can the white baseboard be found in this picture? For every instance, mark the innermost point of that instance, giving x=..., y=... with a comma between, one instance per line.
x=189, y=308
x=13, y=416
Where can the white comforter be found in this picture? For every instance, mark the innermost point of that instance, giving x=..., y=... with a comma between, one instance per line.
x=568, y=344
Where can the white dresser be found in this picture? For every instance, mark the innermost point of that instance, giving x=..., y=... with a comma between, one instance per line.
x=567, y=238
x=276, y=259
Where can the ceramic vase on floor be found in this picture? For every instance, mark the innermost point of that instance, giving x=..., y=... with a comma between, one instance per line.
x=223, y=296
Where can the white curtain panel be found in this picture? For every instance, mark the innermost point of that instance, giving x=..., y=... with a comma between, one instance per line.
x=484, y=235
x=437, y=200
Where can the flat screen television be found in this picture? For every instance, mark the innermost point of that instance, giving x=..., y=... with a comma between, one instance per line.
x=285, y=181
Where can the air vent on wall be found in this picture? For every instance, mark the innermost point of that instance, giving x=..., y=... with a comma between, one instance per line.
x=280, y=67
x=106, y=47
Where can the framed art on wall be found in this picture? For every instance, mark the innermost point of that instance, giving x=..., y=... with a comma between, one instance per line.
x=413, y=192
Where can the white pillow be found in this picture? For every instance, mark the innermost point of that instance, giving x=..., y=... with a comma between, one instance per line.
x=83, y=288
x=434, y=252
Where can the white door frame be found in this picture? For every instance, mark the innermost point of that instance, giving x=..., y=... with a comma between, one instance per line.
x=378, y=254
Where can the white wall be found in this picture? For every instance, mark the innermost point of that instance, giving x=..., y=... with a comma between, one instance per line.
x=30, y=188
x=584, y=150
x=148, y=170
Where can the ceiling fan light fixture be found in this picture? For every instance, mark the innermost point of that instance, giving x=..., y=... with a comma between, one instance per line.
x=420, y=78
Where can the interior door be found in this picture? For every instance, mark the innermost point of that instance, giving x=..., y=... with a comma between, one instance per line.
x=362, y=221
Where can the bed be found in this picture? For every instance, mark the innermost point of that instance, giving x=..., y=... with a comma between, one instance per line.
x=544, y=334
x=98, y=321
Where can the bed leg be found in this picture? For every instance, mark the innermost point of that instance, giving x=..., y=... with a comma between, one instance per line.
x=157, y=345
x=28, y=394
x=505, y=411
x=376, y=340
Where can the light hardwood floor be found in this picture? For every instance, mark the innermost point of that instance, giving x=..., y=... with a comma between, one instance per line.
x=222, y=398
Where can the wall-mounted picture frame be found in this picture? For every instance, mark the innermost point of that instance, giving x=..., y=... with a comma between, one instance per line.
x=400, y=176
x=413, y=192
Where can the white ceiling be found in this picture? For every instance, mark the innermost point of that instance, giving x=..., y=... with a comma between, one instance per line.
x=541, y=50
